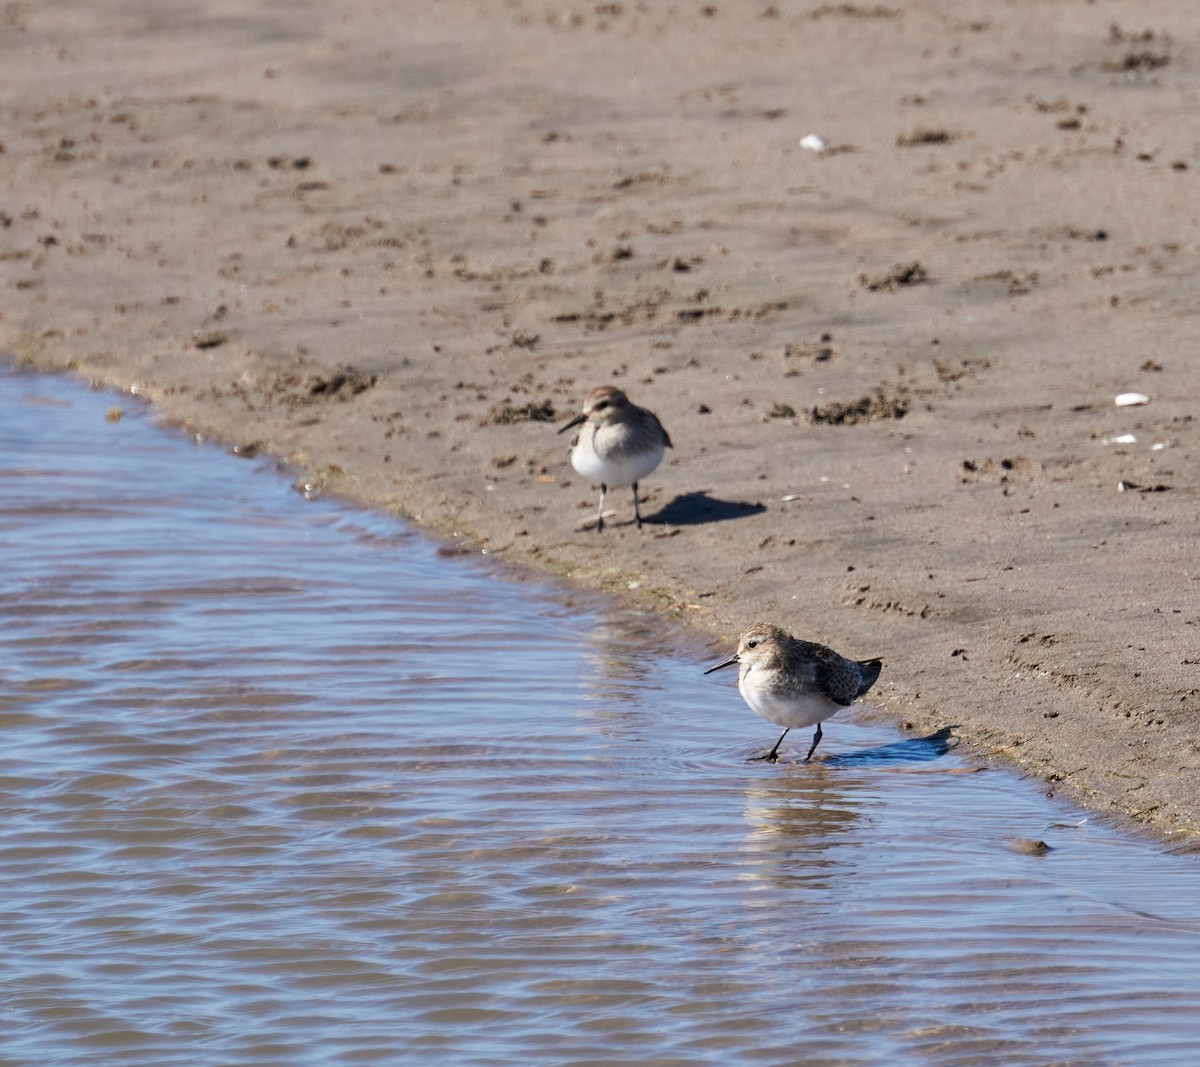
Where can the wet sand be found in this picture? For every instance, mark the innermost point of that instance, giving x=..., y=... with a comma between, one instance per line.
x=396, y=247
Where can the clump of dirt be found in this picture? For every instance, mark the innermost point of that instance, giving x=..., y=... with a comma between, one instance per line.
x=882, y=405
x=818, y=353
x=505, y=414
x=1137, y=62
x=1000, y=471
x=1126, y=486
x=949, y=371
x=213, y=339
x=923, y=136
x=661, y=304
x=853, y=11
x=1017, y=283
x=901, y=275
x=344, y=383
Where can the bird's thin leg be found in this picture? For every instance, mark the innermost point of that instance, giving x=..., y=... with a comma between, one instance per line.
x=816, y=741
x=637, y=515
x=773, y=755
x=600, y=512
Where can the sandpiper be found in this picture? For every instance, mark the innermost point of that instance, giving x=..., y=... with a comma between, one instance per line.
x=796, y=683
x=620, y=444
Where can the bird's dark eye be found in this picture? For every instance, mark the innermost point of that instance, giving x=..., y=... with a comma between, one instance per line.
x=602, y=405
x=752, y=644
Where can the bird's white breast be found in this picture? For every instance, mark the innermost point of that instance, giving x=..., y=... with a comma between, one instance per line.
x=594, y=461
x=784, y=705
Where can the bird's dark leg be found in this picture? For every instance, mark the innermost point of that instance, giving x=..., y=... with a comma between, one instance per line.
x=637, y=515
x=816, y=741
x=600, y=510
x=773, y=755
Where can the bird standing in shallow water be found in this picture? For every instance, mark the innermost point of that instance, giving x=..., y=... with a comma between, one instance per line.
x=796, y=683
x=619, y=444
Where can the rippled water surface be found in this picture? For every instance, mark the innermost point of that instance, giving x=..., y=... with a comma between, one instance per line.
x=282, y=786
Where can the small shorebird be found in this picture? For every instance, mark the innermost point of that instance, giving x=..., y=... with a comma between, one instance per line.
x=620, y=444
x=796, y=683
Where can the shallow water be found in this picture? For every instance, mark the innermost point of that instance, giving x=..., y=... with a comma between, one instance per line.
x=281, y=785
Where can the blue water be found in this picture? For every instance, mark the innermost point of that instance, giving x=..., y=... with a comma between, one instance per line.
x=281, y=784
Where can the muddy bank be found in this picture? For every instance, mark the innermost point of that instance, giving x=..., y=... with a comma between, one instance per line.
x=396, y=247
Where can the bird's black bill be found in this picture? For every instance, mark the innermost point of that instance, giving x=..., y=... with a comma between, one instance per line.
x=574, y=422
x=727, y=663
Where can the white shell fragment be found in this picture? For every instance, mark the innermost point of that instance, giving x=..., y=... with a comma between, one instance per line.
x=1123, y=439
x=1131, y=400
x=812, y=142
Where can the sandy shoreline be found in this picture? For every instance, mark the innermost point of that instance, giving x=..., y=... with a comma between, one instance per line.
x=388, y=245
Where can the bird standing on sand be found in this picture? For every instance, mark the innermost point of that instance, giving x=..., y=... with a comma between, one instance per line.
x=796, y=683
x=619, y=444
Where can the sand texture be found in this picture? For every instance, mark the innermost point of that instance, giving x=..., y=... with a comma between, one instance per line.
x=397, y=244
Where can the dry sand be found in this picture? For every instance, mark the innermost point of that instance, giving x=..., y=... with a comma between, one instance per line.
x=384, y=241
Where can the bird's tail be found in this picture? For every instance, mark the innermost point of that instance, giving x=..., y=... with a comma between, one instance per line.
x=870, y=669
